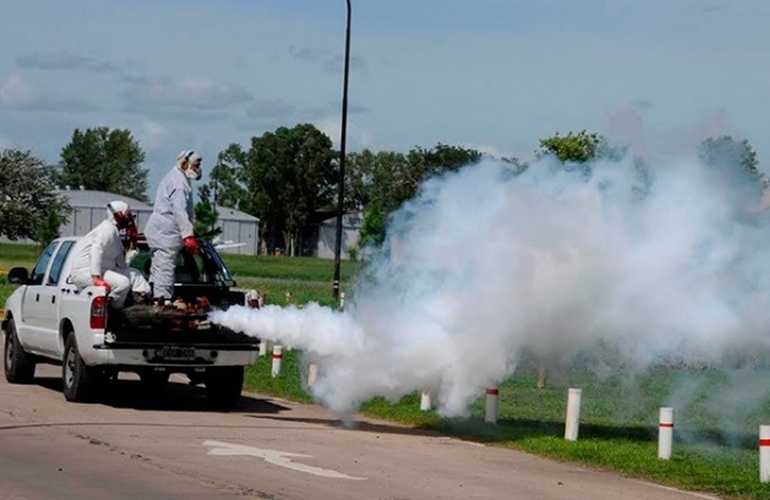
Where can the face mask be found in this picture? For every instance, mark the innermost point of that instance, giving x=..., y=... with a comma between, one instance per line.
x=193, y=174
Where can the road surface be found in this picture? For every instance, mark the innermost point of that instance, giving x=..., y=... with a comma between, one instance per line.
x=131, y=446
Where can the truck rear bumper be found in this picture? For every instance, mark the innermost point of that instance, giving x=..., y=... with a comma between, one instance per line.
x=153, y=354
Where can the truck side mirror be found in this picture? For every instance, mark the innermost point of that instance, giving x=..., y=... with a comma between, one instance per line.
x=18, y=276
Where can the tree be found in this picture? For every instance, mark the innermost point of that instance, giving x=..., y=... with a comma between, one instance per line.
x=442, y=158
x=733, y=163
x=225, y=185
x=205, y=213
x=381, y=182
x=383, y=178
x=27, y=195
x=730, y=154
x=580, y=148
x=284, y=178
x=105, y=160
x=47, y=230
x=373, y=229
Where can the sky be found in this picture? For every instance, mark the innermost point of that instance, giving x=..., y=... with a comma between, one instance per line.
x=496, y=75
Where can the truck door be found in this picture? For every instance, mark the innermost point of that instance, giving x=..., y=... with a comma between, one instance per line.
x=50, y=298
x=33, y=303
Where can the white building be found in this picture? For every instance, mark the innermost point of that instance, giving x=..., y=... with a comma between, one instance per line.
x=89, y=208
x=238, y=228
x=327, y=234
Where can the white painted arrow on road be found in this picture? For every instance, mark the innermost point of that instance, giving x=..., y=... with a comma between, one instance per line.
x=275, y=457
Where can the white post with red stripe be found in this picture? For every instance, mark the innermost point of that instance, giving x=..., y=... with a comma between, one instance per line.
x=665, y=433
x=277, y=358
x=425, y=404
x=490, y=415
x=572, y=424
x=764, y=453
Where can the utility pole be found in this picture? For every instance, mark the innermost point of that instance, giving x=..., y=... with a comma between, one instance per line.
x=343, y=133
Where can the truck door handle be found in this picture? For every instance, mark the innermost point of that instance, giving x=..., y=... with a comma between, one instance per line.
x=53, y=299
x=37, y=297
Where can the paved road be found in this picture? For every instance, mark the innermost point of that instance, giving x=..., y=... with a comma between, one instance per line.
x=130, y=446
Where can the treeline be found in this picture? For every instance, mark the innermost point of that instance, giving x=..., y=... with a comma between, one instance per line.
x=287, y=178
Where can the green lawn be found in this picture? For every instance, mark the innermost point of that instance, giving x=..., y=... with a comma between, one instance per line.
x=12, y=255
x=289, y=268
x=715, y=447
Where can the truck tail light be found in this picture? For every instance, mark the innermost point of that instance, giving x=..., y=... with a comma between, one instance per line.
x=99, y=312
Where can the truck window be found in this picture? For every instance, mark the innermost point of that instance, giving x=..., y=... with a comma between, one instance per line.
x=38, y=272
x=58, y=263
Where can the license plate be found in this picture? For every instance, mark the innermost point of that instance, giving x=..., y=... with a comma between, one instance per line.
x=177, y=352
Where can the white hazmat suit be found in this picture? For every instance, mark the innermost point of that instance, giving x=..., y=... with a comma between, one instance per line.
x=100, y=258
x=170, y=226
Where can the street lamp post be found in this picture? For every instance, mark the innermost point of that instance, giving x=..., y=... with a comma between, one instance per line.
x=343, y=133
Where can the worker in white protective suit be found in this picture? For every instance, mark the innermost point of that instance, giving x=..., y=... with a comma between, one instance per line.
x=100, y=258
x=170, y=227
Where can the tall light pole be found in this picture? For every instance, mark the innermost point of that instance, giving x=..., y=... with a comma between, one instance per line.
x=343, y=133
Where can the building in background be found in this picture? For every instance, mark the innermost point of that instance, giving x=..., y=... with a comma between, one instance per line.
x=240, y=231
x=89, y=209
x=327, y=233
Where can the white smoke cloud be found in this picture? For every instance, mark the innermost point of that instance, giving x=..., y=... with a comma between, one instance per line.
x=646, y=264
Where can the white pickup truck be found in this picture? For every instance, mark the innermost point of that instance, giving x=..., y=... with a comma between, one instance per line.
x=48, y=319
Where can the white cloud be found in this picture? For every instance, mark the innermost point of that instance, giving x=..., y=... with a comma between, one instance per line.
x=153, y=135
x=64, y=60
x=16, y=93
x=190, y=93
x=357, y=138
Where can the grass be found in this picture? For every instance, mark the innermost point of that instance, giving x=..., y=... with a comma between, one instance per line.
x=13, y=255
x=289, y=268
x=715, y=448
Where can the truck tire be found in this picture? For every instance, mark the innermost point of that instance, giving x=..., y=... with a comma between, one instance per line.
x=78, y=379
x=224, y=385
x=19, y=366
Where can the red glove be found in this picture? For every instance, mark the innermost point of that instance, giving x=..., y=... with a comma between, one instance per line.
x=191, y=244
x=101, y=282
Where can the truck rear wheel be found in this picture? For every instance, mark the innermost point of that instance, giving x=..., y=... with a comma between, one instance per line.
x=224, y=385
x=79, y=379
x=19, y=366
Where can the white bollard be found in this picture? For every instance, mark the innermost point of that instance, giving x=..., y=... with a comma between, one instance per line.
x=263, y=347
x=665, y=433
x=277, y=357
x=425, y=404
x=312, y=374
x=342, y=301
x=573, y=414
x=490, y=415
x=764, y=453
